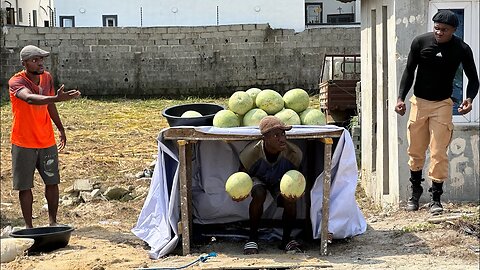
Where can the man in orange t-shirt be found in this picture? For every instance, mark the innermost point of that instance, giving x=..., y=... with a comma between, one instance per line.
x=33, y=99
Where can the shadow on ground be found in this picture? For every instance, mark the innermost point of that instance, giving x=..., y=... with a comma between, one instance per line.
x=368, y=248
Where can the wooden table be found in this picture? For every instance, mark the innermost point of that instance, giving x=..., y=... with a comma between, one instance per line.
x=186, y=136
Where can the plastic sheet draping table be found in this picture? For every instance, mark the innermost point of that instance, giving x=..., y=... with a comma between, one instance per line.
x=186, y=136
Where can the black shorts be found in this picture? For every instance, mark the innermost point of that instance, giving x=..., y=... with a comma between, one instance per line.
x=273, y=189
x=24, y=162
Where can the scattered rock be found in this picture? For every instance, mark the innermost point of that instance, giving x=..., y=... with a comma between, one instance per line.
x=126, y=198
x=69, y=189
x=13, y=247
x=115, y=193
x=139, y=174
x=152, y=164
x=96, y=193
x=6, y=231
x=146, y=173
x=82, y=185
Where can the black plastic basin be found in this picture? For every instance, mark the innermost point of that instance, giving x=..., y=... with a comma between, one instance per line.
x=208, y=111
x=46, y=238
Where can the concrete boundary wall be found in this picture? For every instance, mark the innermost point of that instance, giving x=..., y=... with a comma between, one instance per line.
x=179, y=61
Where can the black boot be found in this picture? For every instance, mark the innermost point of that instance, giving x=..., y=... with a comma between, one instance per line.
x=436, y=191
x=417, y=190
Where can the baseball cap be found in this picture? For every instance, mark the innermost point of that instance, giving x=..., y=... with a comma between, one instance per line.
x=269, y=123
x=446, y=16
x=31, y=51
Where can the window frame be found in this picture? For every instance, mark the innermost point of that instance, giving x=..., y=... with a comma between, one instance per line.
x=470, y=15
x=20, y=15
x=105, y=19
x=10, y=16
x=34, y=18
x=307, y=5
x=62, y=18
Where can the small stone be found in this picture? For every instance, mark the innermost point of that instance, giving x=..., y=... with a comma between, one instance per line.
x=115, y=193
x=126, y=198
x=152, y=164
x=82, y=185
x=140, y=174
x=95, y=193
x=69, y=189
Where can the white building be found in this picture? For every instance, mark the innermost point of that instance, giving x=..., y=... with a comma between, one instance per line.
x=38, y=13
x=288, y=14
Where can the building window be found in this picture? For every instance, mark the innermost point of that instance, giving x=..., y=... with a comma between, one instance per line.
x=467, y=30
x=110, y=20
x=313, y=13
x=341, y=18
x=20, y=15
x=458, y=80
x=10, y=16
x=67, y=21
x=34, y=19
x=46, y=23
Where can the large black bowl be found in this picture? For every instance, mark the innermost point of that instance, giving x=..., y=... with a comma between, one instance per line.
x=208, y=111
x=46, y=238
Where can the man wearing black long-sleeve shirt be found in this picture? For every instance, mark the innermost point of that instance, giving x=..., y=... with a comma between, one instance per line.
x=436, y=56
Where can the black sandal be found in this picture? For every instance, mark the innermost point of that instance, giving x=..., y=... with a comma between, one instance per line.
x=293, y=247
x=250, y=248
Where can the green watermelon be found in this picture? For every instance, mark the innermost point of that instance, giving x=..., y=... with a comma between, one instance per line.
x=239, y=185
x=292, y=185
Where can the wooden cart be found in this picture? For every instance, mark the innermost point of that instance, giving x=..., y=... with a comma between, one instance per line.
x=337, y=88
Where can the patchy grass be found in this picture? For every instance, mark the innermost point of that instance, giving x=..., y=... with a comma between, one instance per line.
x=107, y=139
x=469, y=225
x=418, y=227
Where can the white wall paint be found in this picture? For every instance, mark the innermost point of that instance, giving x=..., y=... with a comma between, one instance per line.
x=43, y=8
x=332, y=7
x=279, y=13
x=287, y=14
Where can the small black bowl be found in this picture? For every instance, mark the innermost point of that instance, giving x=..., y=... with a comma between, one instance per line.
x=46, y=238
x=208, y=111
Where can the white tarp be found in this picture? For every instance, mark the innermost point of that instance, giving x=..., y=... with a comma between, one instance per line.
x=213, y=162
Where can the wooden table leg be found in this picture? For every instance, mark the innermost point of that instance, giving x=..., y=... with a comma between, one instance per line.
x=185, y=176
x=326, y=194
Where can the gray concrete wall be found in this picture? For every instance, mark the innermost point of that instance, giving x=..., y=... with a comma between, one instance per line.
x=411, y=21
x=179, y=61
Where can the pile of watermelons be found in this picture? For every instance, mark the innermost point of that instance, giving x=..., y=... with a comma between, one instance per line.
x=247, y=108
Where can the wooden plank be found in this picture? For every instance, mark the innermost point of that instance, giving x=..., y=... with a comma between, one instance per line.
x=326, y=195
x=188, y=166
x=184, y=202
x=190, y=134
x=455, y=216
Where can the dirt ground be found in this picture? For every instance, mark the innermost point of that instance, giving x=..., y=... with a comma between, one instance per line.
x=103, y=241
x=107, y=150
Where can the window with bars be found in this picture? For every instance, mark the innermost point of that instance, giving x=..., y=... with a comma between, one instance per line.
x=110, y=20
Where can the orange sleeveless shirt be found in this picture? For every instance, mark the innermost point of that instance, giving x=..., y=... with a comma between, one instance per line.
x=31, y=125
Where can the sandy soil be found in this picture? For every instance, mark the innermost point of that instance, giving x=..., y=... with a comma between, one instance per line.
x=395, y=239
x=108, y=146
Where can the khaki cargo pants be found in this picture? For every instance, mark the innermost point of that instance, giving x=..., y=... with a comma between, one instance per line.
x=430, y=124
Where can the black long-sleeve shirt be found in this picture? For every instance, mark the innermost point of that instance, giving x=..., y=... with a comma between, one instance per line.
x=437, y=64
